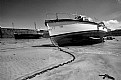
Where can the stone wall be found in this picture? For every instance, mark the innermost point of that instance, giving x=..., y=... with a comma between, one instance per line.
x=9, y=32
x=116, y=32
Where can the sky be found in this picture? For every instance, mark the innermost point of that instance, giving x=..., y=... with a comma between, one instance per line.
x=24, y=13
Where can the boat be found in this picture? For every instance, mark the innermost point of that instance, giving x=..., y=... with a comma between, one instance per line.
x=27, y=36
x=76, y=31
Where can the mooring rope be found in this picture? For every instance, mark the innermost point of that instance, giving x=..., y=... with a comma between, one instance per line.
x=46, y=70
x=62, y=64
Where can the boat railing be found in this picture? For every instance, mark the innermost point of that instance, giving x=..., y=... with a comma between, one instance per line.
x=60, y=16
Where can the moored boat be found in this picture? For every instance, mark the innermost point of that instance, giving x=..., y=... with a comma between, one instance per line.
x=78, y=31
x=27, y=36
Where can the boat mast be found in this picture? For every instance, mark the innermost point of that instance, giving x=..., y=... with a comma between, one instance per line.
x=13, y=24
x=35, y=25
x=13, y=28
x=57, y=16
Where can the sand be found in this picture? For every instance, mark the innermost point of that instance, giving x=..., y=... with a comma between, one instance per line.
x=17, y=63
x=20, y=60
x=87, y=67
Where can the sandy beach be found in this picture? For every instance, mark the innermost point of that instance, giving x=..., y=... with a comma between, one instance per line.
x=18, y=60
x=23, y=60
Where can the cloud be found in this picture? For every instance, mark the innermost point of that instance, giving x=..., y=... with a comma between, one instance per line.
x=113, y=24
x=119, y=1
x=114, y=16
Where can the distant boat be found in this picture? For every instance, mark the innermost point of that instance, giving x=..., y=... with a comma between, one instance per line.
x=77, y=31
x=27, y=36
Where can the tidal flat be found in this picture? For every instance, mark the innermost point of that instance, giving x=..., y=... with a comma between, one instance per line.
x=21, y=58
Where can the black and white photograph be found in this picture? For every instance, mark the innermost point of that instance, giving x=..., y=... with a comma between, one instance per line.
x=60, y=39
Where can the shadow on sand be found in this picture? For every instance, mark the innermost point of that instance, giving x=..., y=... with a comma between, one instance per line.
x=51, y=45
x=44, y=45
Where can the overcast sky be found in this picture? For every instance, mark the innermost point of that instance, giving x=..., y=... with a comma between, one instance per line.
x=23, y=13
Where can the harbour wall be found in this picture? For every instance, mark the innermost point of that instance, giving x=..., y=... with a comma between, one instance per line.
x=116, y=32
x=9, y=32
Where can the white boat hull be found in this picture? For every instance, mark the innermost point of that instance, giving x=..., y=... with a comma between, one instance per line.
x=67, y=33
